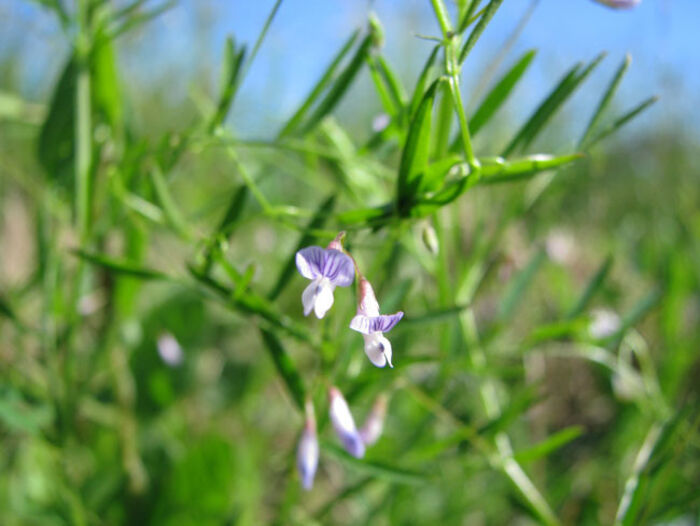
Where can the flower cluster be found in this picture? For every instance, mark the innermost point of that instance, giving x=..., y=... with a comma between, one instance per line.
x=332, y=267
x=328, y=268
x=354, y=440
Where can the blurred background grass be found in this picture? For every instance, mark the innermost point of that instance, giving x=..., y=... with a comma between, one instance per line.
x=212, y=441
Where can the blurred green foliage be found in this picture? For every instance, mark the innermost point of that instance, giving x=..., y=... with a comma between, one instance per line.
x=511, y=401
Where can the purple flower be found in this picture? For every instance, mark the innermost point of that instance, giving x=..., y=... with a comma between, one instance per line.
x=344, y=425
x=620, y=4
x=307, y=451
x=371, y=430
x=327, y=268
x=372, y=325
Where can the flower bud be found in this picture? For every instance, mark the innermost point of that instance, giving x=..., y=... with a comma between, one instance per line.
x=344, y=424
x=307, y=451
x=371, y=430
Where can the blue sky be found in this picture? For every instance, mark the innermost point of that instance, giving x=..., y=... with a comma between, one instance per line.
x=661, y=35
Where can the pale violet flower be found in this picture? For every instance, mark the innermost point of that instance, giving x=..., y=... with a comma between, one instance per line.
x=371, y=430
x=169, y=349
x=308, y=450
x=373, y=325
x=327, y=268
x=344, y=424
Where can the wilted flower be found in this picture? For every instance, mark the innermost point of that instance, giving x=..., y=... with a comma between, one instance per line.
x=169, y=349
x=344, y=424
x=604, y=323
x=619, y=4
x=372, y=325
x=327, y=268
x=307, y=451
x=371, y=430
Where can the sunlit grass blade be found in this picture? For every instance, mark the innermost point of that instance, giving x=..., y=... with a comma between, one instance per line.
x=122, y=267
x=595, y=283
x=232, y=64
x=414, y=157
x=621, y=121
x=468, y=16
x=339, y=87
x=549, y=445
x=323, y=83
x=484, y=20
x=317, y=221
x=172, y=212
x=285, y=367
x=517, y=288
x=424, y=79
x=605, y=99
x=378, y=470
x=553, y=102
x=500, y=92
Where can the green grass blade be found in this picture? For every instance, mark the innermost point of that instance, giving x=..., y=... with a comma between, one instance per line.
x=549, y=445
x=285, y=367
x=378, y=470
x=339, y=87
x=486, y=17
x=605, y=99
x=296, y=119
x=172, y=212
x=551, y=104
x=624, y=119
x=121, y=267
x=317, y=221
x=230, y=76
x=500, y=92
x=516, y=290
x=595, y=283
x=424, y=79
x=414, y=157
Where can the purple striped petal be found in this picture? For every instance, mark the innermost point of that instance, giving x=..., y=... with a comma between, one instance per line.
x=370, y=324
x=316, y=262
x=309, y=262
x=338, y=268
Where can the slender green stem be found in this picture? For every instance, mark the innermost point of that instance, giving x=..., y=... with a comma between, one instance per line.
x=442, y=17
x=464, y=127
x=83, y=149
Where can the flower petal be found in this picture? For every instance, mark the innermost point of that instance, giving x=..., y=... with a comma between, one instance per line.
x=378, y=349
x=338, y=267
x=370, y=324
x=344, y=424
x=310, y=261
x=324, y=298
x=308, y=297
x=307, y=457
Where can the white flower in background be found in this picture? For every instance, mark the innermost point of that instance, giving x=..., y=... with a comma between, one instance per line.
x=380, y=122
x=169, y=350
x=604, y=323
x=373, y=325
x=308, y=450
x=327, y=268
x=344, y=424
x=371, y=430
x=560, y=246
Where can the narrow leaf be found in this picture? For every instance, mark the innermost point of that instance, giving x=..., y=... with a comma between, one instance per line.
x=320, y=86
x=553, y=102
x=414, y=158
x=621, y=121
x=549, y=445
x=591, y=288
x=518, y=287
x=486, y=17
x=500, y=92
x=285, y=367
x=379, y=470
x=121, y=267
x=424, y=79
x=170, y=208
x=233, y=61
